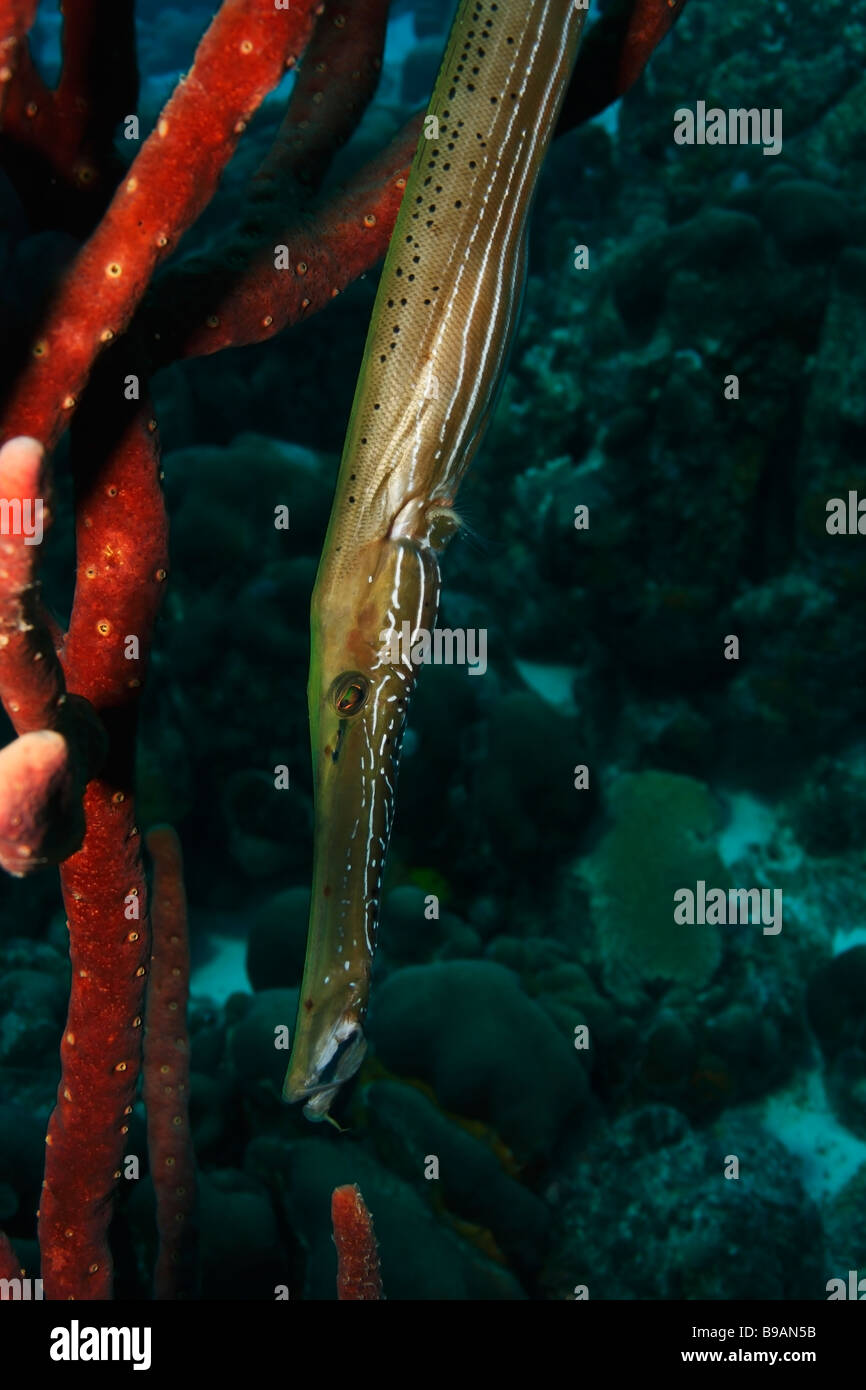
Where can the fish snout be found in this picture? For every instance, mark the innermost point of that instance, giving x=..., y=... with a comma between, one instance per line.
x=329, y=1064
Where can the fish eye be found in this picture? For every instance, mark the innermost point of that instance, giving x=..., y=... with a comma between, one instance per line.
x=349, y=693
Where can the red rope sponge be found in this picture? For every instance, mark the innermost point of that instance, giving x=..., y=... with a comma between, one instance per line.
x=358, y=1275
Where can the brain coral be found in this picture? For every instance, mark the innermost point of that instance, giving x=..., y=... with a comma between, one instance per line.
x=468, y=1029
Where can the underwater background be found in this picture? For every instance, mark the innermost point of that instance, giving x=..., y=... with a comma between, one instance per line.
x=582, y=1067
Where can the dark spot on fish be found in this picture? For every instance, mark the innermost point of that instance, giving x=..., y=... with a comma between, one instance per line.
x=308, y=1004
x=326, y=891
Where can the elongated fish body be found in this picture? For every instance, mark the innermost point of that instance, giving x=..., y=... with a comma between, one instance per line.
x=442, y=324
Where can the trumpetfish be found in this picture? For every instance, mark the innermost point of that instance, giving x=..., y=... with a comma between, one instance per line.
x=444, y=317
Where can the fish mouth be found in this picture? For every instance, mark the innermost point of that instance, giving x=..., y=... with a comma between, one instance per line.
x=318, y=1106
x=336, y=1059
